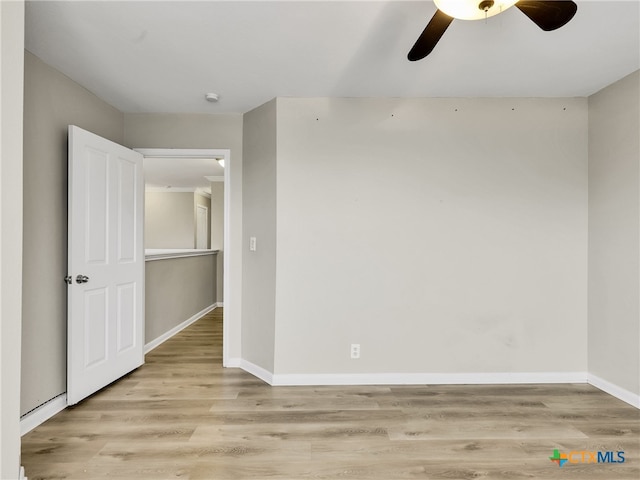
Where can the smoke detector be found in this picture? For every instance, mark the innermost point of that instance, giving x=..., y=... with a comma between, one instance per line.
x=212, y=97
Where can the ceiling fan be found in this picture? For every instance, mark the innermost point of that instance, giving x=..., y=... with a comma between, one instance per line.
x=547, y=14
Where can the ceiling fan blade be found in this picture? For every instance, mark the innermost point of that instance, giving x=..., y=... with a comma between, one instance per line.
x=548, y=14
x=430, y=36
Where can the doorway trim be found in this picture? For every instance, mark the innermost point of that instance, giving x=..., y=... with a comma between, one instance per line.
x=227, y=247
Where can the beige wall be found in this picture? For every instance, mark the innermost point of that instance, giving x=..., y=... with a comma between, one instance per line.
x=614, y=234
x=175, y=290
x=11, y=150
x=443, y=235
x=51, y=102
x=204, y=131
x=169, y=220
x=259, y=217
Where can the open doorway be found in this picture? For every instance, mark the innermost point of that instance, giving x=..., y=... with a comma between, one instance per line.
x=203, y=232
x=175, y=178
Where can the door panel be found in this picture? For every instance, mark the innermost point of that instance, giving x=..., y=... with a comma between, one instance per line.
x=95, y=327
x=96, y=213
x=126, y=334
x=106, y=263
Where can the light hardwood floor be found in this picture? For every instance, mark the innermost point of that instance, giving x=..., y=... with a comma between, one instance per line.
x=182, y=415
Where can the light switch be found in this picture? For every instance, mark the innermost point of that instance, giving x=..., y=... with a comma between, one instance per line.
x=252, y=244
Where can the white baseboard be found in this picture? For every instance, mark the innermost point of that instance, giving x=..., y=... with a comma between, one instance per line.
x=220, y=305
x=319, y=379
x=427, y=378
x=43, y=413
x=22, y=475
x=251, y=368
x=234, y=363
x=166, y=336
x=614, y=390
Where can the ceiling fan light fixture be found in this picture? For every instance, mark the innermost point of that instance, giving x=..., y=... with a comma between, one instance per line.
x=473, y=9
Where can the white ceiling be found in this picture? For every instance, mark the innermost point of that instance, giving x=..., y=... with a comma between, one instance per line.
x=150, y=56
x=167, y=174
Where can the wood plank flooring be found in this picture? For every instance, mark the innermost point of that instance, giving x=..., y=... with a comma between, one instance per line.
x=183, y=416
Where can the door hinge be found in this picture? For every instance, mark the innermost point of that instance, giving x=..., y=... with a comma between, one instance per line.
x=68, y=280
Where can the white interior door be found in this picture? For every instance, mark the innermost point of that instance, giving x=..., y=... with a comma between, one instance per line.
x=106, y=263
x=202, y=226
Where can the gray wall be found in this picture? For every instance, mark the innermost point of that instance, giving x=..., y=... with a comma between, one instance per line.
x=614, y=234
x=439, y=246
x=204, y=131
x=169, y=220
x=51, y=103
x=175, y=290
x=259, y=220
x=11, y=149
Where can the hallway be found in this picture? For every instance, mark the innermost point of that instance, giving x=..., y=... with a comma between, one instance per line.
x=182, y=415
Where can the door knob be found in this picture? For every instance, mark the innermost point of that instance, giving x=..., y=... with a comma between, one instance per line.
x=82, y=279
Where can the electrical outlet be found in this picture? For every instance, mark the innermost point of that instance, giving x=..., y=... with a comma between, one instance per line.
x=355, y=350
